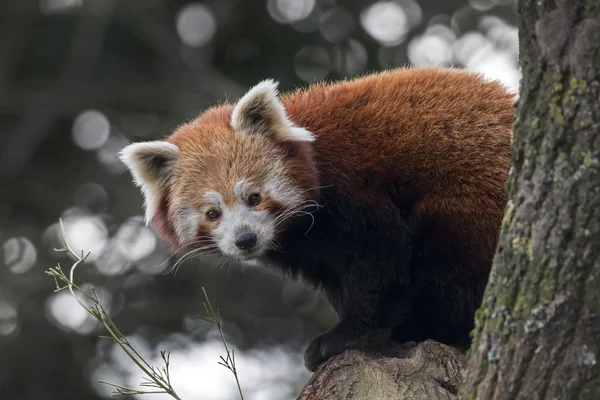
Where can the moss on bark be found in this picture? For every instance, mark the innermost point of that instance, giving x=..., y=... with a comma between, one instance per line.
x=427, y=370
x=537, y=334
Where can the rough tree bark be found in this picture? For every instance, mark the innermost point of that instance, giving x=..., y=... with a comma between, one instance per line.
x=537, y=334
x=427, y=370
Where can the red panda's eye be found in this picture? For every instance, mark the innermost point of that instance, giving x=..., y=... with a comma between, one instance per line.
x=254, y=200
x=213, y=215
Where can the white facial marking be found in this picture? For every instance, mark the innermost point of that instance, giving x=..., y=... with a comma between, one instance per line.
x=240, y=189
x=283, y=190
x=186, y=225
x=214, y=199
x=241, y=218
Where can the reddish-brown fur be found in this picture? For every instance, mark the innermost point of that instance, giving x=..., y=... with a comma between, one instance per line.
x=445, y=122
x=433, y=142
x=429, y=147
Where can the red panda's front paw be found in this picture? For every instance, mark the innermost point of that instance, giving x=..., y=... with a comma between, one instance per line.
x=323, y=347
x=319, y=350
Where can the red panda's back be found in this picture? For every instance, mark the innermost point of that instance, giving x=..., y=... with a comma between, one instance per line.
x=442, y=136
x=428, y=125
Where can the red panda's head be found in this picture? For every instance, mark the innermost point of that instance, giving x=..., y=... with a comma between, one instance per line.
x=227, y=180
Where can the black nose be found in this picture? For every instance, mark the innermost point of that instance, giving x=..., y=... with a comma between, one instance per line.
x=245, y=241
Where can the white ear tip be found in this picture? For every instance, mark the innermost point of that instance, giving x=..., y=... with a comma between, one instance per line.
x=125, y=152
x=266, y=86
x=262, y=102
x=302, y=135
x=148, y=216
x=157, y=146
x=272, y=83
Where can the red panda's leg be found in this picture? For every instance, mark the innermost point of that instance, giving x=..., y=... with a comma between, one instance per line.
x=370, y=306
x=342, y=337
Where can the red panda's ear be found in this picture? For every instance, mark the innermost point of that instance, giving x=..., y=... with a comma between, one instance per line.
x=260, y=111
x=151, y=165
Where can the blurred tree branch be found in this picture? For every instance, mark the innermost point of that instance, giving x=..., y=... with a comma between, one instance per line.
x=120, y=96
x=13, y=37
x=85, y=48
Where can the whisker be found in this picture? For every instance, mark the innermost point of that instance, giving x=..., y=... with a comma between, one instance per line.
x=175, y=254
x=223, y=261
x=286, y=216
x=192, y=253
x=190, y=256
x=275, y=245
x=318, y=187
x=207, y=247
x=214, y=265
x=229, y=268
x=302, y=206
x=311, y=224
x=200, y=241
x=289, y=213
x=204, y=249
x=218, y=264
x=302, y=213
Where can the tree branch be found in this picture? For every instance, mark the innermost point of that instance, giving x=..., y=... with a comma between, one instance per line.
x=427, y=370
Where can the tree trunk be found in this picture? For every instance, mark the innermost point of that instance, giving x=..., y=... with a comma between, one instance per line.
x=428, y=370
x=537, y=334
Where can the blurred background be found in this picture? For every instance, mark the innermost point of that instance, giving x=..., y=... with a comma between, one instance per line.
x=79, y=80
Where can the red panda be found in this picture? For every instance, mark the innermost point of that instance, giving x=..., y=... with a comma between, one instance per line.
x=385, y=191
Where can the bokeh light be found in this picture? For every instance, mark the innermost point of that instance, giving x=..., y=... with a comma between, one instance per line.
x=196, y=24
x=265, y=374
x=388, y=21
x=493, y=53
x=112, y=262
x=337, y=25
x=59, y=6
x=429, y=50
x=433, y=47
x=108, y=155
x=90, y=130
x=132, y=242
x=86, y=233
x=312, y=63
x=63, y=310
x=19, y=254
x=9, y=321
x=134, y=239
x=351, y=58
x=289, y=11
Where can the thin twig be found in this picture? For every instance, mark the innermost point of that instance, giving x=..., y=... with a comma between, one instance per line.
x=158, y=378
x=153, y=377
x=229, y=360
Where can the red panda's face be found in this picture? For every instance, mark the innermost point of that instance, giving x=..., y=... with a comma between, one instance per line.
x=228, y=180
x=234, y=191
